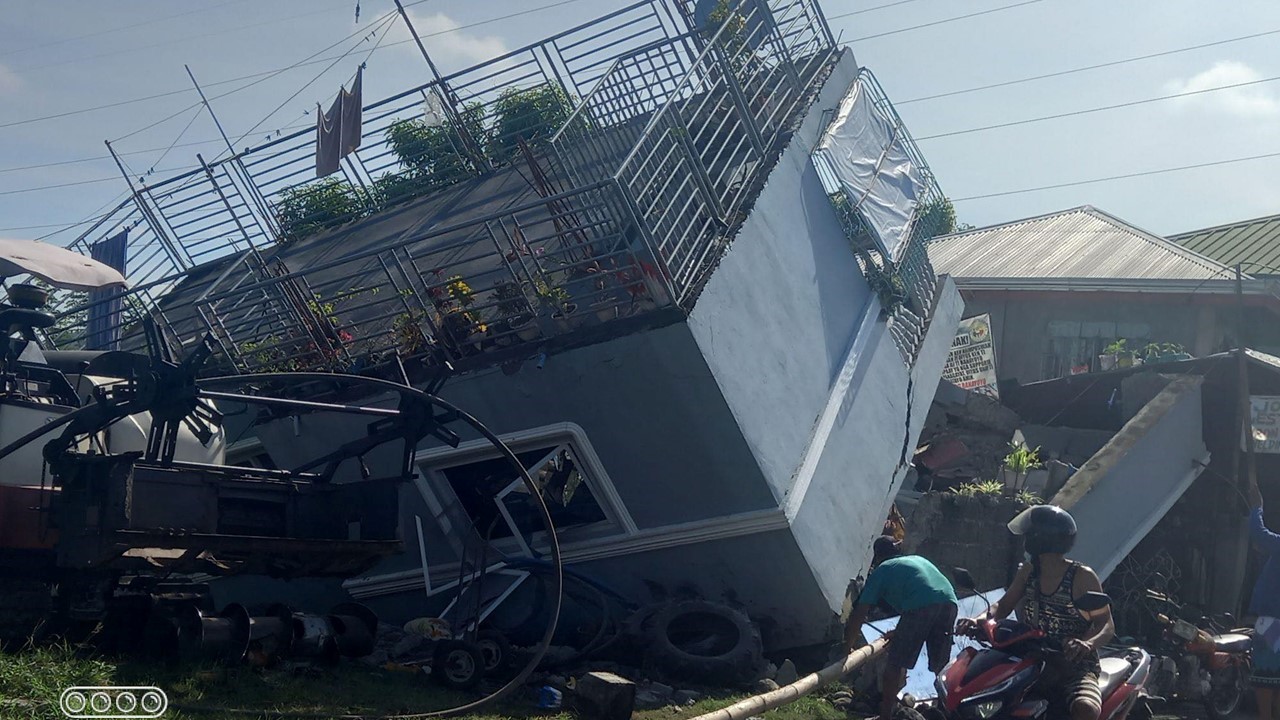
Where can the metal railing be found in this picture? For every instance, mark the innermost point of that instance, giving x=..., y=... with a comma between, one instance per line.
x=687, y=125
x=641, y=183
x=902, y=275
x=526, y=275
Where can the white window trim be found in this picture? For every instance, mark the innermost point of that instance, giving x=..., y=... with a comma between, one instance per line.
x=597, y=479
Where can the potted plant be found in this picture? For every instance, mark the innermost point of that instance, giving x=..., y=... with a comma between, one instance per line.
x=557, y=298
x=515, y=310
x=1164, y=352
x=459, y=323
x=1116, y=355
x=1018, y=464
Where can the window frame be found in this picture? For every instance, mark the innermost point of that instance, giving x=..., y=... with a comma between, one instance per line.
x=438, y=493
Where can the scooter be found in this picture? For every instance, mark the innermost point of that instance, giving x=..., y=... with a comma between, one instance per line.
x=998, y=680
x=1200, y=659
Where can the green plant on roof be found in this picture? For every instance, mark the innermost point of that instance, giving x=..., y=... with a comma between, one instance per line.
x=1022, y=459
x=532, y=114
x=1026, y=497
x=1118, y=348
x=304, y=210
x=981, y=488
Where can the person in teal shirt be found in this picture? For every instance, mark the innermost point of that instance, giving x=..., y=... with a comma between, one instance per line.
x=921, y=595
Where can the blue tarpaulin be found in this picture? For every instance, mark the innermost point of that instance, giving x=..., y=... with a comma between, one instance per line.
x=106, y=308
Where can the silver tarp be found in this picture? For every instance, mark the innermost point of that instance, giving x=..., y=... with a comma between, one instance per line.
x=865, y=153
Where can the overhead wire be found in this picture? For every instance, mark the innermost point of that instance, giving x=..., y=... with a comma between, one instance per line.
x=130, y=26
x=1124, y=176
x=1102, y=108
x=310, y=60
x=385, y=22
x=936, y=22
x=1085, y=68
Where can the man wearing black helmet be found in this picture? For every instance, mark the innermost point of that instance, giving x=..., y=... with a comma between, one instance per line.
x=1044, y=591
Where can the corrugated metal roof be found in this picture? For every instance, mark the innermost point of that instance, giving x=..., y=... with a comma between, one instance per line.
x=1083, y=243
x=1255, y=244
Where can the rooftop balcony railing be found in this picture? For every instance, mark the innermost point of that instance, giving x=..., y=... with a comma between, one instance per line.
x=639, y=186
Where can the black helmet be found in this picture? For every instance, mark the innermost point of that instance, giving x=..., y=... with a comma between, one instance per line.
x=1049, y=529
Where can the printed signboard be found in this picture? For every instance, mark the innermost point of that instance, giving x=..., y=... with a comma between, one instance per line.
x=971, y=363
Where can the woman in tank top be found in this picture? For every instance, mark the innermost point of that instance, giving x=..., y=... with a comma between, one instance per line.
x=1044, y=592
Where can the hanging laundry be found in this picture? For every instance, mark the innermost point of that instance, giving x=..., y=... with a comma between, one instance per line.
x=338, y=130
x=106, y=309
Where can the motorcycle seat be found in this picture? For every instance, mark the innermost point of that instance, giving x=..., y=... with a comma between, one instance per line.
x=1114, y=671
x=1232, y=642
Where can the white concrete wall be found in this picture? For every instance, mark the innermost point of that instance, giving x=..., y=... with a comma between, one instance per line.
x=854, y=466
x=778, y=315
x=793, y=335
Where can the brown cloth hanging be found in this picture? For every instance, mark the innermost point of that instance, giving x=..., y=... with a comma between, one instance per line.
x=338, y=130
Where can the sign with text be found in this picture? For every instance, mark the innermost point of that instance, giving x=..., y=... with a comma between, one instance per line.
x=1265, y=412
x=971, y=364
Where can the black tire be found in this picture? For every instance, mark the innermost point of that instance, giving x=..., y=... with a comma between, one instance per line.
x=457, y=664
x=495, y=650
x=707, y=642
x=1226, y=693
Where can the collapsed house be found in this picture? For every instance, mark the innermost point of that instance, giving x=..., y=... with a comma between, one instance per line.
x=713, y=345
x=1158, y=494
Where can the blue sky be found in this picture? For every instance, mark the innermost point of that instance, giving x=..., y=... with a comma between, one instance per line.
x=65, y=55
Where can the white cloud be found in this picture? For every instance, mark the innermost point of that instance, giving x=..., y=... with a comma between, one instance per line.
x=10, y=82
x=1250, y=102
x=450, y=48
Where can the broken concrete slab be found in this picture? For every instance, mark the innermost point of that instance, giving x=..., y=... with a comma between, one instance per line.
x=605, y=696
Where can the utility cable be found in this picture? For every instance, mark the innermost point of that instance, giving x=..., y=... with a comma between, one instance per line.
x=310, y=60
x=1125, y=176
x=130, y=26
x=1102, y=108
x=870, y=9
x=936, y=22
x=389, y=18
x=1085, y=68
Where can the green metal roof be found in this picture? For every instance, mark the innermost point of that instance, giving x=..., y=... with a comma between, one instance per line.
x=1255, y=244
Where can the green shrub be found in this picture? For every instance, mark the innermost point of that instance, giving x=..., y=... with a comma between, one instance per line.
x=534, y=114
x=984, y=488
x=304, y=210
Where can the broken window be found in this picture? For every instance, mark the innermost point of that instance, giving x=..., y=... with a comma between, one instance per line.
x=498, y=504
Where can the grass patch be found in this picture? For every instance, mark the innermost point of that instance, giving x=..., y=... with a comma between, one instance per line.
x=32, y=681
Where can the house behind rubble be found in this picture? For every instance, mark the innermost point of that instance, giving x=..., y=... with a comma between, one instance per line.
x=718, y=351
x=1062, y=289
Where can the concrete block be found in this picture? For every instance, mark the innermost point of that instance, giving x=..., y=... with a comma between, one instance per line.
x=605, y=696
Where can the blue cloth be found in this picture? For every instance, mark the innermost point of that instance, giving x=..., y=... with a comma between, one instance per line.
x=907, y=583
x=1266, y=593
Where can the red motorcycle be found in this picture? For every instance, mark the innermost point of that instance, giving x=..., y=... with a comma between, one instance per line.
x=1200, y=658
x=998, y=680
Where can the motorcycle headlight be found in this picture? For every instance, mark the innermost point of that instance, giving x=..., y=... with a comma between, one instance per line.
x=987, y=709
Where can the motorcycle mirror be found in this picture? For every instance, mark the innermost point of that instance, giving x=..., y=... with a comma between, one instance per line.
x=1092, y=602
x=964, y=579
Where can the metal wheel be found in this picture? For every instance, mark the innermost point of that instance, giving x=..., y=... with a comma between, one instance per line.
x=1226, y=691
x=457, y=664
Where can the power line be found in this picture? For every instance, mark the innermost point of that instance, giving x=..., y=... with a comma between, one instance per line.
x=1125, y=176
x=59, y=185
x=303, y=63
x=937, y=22
x=388, y=19
x=174, y=41
x=130, y=26
x=867, y=10
x=1103, y=108
x=1085, y=68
